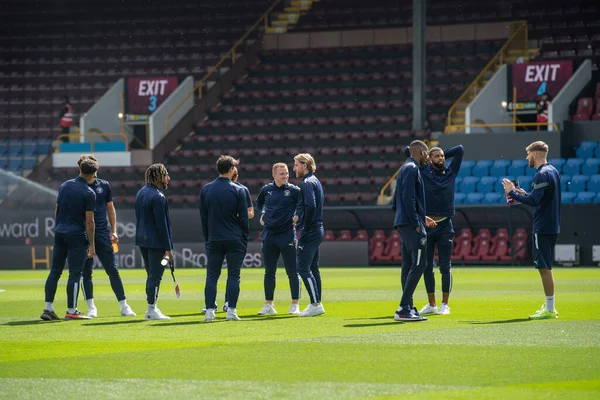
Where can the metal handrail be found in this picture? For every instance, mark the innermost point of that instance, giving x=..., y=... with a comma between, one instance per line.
x=455, y=128
x=79, y=135
x=264, y=17
x=520, y=26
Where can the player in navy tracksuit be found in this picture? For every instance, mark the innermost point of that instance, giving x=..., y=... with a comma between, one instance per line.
x=309, y=217
x=410, y=220
x=153, y=233
x=104, y=249
x=277, y=204
x=234, y=179
x=224, y=213
x=73, y=238
x=439, y=181
x=545, y=196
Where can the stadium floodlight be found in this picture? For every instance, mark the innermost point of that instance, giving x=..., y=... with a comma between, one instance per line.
x=504, y=104
x=120, y=115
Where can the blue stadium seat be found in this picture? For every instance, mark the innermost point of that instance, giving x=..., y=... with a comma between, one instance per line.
x=573, y=166
x=493, y=198
x=597, y=199
x=466, y=168
x=565, y=180
x=43, y=146
x=482, y=168
x=3, y=149
x=468, y=184
x=591, y=166
x=517, y=167
x=14, y=163
x=486, y=184
x=525, y=182
x=578, y=183
x=597, y=152
x=568, y=197
x=584, y=197
x=558, y=163
x=15, y=148
x=499, y=168
x=473, y=198
x=457, y=183
x=3, y=162
x=586, y=149
x=29, y=148
x=594, y=184
x=29, y=162
x=459, y=198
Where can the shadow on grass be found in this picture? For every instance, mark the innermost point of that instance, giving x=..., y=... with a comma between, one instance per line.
x=367, y=318
x=195, y=322
x=108, y=323
x=32, y=322
x=198, y=314
x=502, y=321
x=377, y=324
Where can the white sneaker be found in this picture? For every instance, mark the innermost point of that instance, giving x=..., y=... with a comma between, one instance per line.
x=268, y=309
x=204, y=309
x=429, y=309
x=92, y=312
x=294, y=309
x=312, y=311
x=232, y=315
x=126, y=311
x=444, y=309
x=155, y=315
x=210, y=315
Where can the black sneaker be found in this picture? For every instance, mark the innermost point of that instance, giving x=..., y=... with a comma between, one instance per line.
x=49, y=316
x=408, y=315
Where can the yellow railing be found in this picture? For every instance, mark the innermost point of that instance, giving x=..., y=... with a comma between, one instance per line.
x=77, y=136
x=231, y=53
x=463, y=127
x=515, y=46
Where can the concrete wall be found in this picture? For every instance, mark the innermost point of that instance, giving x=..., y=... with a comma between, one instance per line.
x=103, y=116
x=385, y=36
x=485, y=107
x=157, y=122
x=106, y=159
x=558, y=112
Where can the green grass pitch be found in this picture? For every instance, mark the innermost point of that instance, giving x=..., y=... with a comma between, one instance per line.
x=485, y=349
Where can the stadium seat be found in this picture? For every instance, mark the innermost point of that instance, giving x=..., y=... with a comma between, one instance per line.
x=517, y=167
x=361, y=235
x=466, y=168
x=393, y=252
x=584, y=197
x=481, y=246
x=586, y=149
x=499, y=169
x=459, y=198
x=345, y=236
x=568, y=197
x=328, y=235
x=486, y=184
x=573, y=166
x=468, y=184
x=564, y=182
x=376, y=252
x=591, y=166
x=557, y=163
x=584, y=109
x=597, y=199
x=499, y=250
x=594, y=184
x=578, y=183
x=482, y=168
x=378, y=237
x=525, y=182
x=493, y=198
x=519, y=242
x=473, y=198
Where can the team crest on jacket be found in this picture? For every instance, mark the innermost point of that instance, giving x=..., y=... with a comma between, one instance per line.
x=287, y=193
x=423, y=241
x=99, y=190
